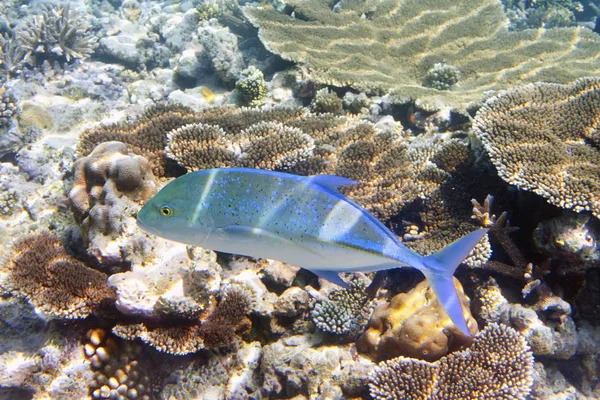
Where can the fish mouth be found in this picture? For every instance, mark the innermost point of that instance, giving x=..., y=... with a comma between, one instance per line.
x=147, y=228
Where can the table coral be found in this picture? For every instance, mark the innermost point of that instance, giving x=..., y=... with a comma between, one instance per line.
x=394, y=44
x=414, y=324
x=543, y=138
x=39, y=269
x=498, y=365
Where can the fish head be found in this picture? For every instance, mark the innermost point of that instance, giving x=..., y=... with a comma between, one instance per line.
x=174, y=213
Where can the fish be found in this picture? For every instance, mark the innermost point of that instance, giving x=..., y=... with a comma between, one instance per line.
x=300, y=220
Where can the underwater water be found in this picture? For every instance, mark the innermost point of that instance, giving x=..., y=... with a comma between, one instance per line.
x=300, y=199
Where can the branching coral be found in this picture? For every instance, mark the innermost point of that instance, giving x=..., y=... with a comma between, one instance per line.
x=12, y=57
x=498, y=365
x=251, y=87
x=378, y=45
x=40, y=270
x=57, y=34
x=544, y=138
x=346, y=312
x=414, y=324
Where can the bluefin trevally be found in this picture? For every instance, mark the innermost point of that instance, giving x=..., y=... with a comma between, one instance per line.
x=299, y=220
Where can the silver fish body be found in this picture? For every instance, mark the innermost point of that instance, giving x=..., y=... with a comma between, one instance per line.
x=300, y=220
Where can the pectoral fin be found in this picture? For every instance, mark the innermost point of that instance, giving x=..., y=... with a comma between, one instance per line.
x=331, y=276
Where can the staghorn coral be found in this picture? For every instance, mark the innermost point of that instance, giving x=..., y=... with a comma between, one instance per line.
x=40, y=270
x=220, y=329
x=498, y=365
x=346, y=311
x=13, y=57
x=118, y=373
x=58, y=34
x=251, y=87
x=101, y=178
x=414, y=324
x=392, y=44
x=543, y=138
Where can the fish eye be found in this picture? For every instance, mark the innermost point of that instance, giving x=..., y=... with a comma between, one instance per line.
x=166, y=211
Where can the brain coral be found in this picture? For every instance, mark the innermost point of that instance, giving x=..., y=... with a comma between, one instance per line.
x=393, y=44
x=499, y=365
x=40, y=270
x=414, y=324
x=544, y=138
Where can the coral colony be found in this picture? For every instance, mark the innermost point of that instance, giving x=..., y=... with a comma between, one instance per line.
x=452, y=117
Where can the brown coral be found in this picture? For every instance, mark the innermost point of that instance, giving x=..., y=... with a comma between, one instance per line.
x=543, y=137
x=499, y=365
x=101, y=177
x=219, y=329
x=414, y=324
x=40, y=270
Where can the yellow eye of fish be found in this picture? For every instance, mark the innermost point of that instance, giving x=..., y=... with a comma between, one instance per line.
x=166, y=211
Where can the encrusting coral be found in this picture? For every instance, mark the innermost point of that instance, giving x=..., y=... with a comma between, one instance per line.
x=382, y=45
x=58, y=34
x=544, y=138
x=414, y=324
x=498, y=365
x=39, y=269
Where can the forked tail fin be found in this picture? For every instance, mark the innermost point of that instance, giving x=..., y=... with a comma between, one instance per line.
x=439, y=269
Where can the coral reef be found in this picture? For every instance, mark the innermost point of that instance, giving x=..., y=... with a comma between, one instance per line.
x=414, y=324
x=103, y=177
x=569, y=238
x=40, y=270
x=326, y=101
x=58, y=34
x=346, y=312
x=552, y=337
x=220, y=329
x=178, y=283
x=470, y=35
x=8, y=107
x=251, y=87
x=473, y=373
x=442, y=76
x=117, y=370
x=543, y=138
x=12, y=57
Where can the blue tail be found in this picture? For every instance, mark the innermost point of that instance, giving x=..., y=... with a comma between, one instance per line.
x=439, y=268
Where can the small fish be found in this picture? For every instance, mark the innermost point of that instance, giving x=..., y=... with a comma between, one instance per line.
x=299, y=220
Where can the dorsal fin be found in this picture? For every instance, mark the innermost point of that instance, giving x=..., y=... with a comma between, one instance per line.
x=332, y=182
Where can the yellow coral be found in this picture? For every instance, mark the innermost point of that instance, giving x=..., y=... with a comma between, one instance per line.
x=414, y=324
